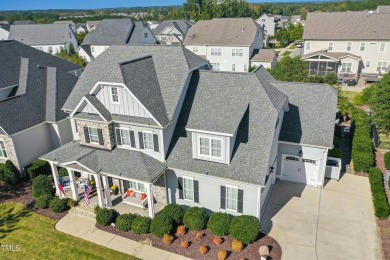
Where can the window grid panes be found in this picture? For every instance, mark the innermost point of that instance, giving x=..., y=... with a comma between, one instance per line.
x=237, y=52
x=148, y=141
x=382, y=47
x=245, y=68
x=93, y=135
x=362, y=46
x=210, y=147
x=3, y=152
x=233, y=67
x=125, y=136
x=195, y=49
x=368, y=64
x=349, y=46
x=137, y=186
x=114, y=95
x=215, y=52
x=382, y=66
x=308, y=44
x=231, y=198
x=215, y=148
x=204, y=146
x=188, y=189
x=330, y=46
x=346, y=67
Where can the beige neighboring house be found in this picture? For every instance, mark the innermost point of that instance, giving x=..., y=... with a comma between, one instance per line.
x=365, y=36
x=265, y=57
x=228, y=43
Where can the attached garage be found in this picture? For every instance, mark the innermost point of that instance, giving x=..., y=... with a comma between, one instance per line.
x=299, y=169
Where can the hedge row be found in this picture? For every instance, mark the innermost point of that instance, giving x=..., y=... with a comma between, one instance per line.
x=362, y=150
x=387, y=161
x=379, y=196
x=38, y=167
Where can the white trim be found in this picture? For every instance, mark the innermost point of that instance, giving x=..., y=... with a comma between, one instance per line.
x=258, y=208
x=112, y=95
x=76, y=162
x=116, y=137
x=4, y=131
x=1, y=150
x=89, y=133
x=143, y=139
x=350, y=56
x=346, y=67
x=360, y=46
x=301, y=160
x=208, y=132
x=346, y=47
x=384, y=49
x=193, y=192
x=308, y=145
x=121, y=122
x=210, y=147
x=80, y=103
x=226, y=197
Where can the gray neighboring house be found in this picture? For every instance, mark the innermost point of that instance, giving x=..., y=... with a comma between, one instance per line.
x=114, y=31
x=70, y=23
x=172, y=31
x=264, y=57
x=33, y=87
x=142, y=126
x=268, y=23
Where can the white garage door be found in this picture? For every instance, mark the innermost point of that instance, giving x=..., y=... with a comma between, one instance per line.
x=298, y=169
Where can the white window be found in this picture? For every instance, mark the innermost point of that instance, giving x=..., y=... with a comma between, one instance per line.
x=215, y=66
x=93, y=135
x=231, y=198
x=382, y=47
x=382, y=66
x=50, y=49
x=346, y=67
x=92, y=49
x=125, y=137
x=362, y=46
x=330, y=46
x=349, y=46
x=194, y=49
x=233, y=67
x=3, y=152
x=237, y=52
x=146, y=35
x=210, y=147
x=368, y=64
x=215, y=52
x=245, y=67
x=137, y=186
x=114, y=95
x=188, y=188
x=308, y=46
x=148, y=141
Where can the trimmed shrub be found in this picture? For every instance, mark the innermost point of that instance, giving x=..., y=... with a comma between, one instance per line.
x=38, y=167
x=217, y=241
x=105, y=217
x=41, y=185
x=161, y=225
x=123, y=222
x=184, y=244
x=43, y=201
x=195, y=218
x=176, y=212
x=379, y=196
x=140, y=225
x=244, y=228
x=199, y=235
x=219, y=223
x=2, y=171
x=11, y=173
x=387, y=161
x=181, y=230
x=62, y=172
x=72, y=203
x=58, y=205
x=167, y=239
x=203, y=250
x=237, y=246
x=222, y=254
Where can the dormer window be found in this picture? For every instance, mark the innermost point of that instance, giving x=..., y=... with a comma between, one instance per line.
x=114, y=95
x=210, y=147
x=148, y=141
x=93, y=135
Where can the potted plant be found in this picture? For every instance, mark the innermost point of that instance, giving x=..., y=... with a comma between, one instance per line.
x=114, y=190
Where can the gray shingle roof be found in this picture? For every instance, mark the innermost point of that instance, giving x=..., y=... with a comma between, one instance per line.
x=40, y=34
x=116, y=162
x=109, y=31
x=347, y=26
x=311, y=118
x=137, y=33
x=102, y=110
x=23, y=22
x=223, y=31
x=256, y=128
x=27, y=110
x=172, y=65
x=266, y=55
x=263, y=73
x=5, y=27
x=334, y=55
x=181, y=25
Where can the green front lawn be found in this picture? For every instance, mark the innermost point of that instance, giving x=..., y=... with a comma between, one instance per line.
x=38, y=239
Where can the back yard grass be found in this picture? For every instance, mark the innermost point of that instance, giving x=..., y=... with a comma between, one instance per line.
x=38, y=239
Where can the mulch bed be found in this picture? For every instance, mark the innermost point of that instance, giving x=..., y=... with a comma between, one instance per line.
x=250, y=252
x=22, y=194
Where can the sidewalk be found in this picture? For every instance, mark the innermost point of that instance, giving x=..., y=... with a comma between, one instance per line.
x=84, y=228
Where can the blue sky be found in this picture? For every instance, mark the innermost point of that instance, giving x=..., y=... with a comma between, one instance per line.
x=7, y=5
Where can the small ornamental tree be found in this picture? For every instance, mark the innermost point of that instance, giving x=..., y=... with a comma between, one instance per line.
x=219, y=223
x=42, y=185
x=244, y=228
x=195, y=218
x=161, y=225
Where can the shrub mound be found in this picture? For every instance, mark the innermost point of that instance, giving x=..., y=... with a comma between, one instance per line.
x=140, y=225
x=161, y=225
x=2, y=171
x=219, y=223
x=379, y=196
x=58, y=205
x=387, y=161
x=11, y=173
x=43, y=201
x=175, y=211
x=244, y=228
x=105, y=217
x=42, y=185
x=38, y=167
x=123, y=222
x=195, y=218
x=62, y=172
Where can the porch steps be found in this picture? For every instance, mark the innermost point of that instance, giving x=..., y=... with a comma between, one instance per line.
x=83, y=211
x=348, y=169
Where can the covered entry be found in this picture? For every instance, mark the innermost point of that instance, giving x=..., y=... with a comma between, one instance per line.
x=299, y=169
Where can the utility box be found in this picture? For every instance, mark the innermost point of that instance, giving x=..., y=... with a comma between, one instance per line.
x=333, y=168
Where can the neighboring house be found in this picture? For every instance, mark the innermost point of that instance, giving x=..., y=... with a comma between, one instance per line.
x=281, y=21
x=23, y=22
x=4, y=22
x=71, y=24
x=268, y=24
x=81, y=28
x=297, y=19
x=114, y=31
x=383, y=9
x=364, y=35
x=4, y=31
x=33, y=88
x=91, y=25
x=152, y=24
x=264, y=57
x=49, y=38
x=228, y=43
x=142, y=126
x=172, y=31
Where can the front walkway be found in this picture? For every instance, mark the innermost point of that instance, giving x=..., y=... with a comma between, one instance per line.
x=84, y=228
x=336, y=222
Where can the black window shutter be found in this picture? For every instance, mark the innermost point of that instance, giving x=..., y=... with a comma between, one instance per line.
x=132, y=139
x=240, y=203
x=180, y=187
x=155, y=142
x=86, y=135
x=118, y=136
x=223, y=197
x=100, y=134
x=196, y=191
x=141, y=140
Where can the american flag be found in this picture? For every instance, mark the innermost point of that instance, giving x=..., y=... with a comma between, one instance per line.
x=60, y=187
x=87, y=191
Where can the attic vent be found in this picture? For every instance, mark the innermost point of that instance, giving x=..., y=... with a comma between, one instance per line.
x=41, y=67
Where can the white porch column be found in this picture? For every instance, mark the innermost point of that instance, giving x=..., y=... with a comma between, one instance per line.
x=73, y=185
x=107, y=191
x=99, y=187
x=55, y=177
x=149, y=192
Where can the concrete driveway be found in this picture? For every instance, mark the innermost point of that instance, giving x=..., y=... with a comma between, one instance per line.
x=336, y=222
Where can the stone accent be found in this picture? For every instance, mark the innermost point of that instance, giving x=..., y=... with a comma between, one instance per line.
x=108, y=134
x=9, y=147
x=160, y=193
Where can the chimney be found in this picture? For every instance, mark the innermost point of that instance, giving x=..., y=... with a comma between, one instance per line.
x=51, y=94
x=23, y=77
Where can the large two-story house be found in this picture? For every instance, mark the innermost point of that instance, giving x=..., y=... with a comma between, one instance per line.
x=159, y=121
x=33, y=88
x=228, y=43
x=111, y=31
x=172, y=31
x=354, y=43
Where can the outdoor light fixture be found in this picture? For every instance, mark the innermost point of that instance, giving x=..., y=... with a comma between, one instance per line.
x=300, y=153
